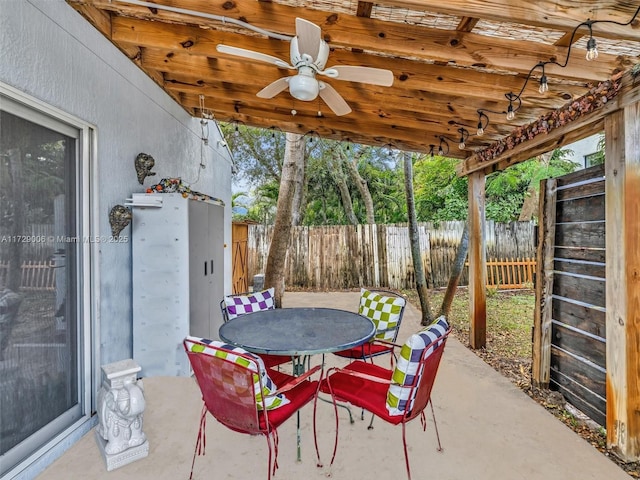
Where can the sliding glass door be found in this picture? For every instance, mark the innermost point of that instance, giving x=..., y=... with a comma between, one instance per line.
x=42, y=351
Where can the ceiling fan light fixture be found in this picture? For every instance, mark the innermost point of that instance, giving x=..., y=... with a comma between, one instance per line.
x=303, y=87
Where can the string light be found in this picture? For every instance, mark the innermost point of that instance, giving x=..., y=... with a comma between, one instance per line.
x=544, y=85
x=483, y=121
x=592, y=50
x=443, y=147
x=464, y=134
x=592, y=54
x=511, y=111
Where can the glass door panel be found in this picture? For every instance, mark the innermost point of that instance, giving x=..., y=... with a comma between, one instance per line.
x=39, y=295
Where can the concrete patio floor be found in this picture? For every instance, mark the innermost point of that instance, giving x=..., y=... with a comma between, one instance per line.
x=490, y=430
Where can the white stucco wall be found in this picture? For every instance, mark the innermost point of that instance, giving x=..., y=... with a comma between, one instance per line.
x=50, y=52
x=583, y=147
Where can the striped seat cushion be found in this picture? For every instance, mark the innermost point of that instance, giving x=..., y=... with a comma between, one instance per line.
x=222, y=350
x=398, y=396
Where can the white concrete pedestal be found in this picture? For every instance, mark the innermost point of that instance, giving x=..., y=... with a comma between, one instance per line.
x=121, y=406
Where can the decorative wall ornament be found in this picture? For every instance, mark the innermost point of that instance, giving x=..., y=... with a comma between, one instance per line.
x=591, y=101
x=119, y=217
x=176, y=185
x=144, y=163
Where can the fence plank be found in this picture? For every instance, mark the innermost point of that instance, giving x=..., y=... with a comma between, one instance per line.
x=332, y=257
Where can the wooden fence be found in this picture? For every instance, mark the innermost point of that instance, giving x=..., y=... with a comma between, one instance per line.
x=511, y=273
x=348, y=256
x=571, y=292
x=36, y=275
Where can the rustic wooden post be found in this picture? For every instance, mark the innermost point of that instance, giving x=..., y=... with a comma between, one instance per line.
x=477, y=262
x=541, y=356
x=622, y=201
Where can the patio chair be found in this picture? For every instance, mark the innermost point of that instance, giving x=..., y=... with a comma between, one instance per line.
x=243, y=395
x=385, y=309
x=233, y=306
x=396, y=396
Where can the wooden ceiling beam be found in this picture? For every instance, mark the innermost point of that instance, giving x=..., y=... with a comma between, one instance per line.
x=307, y=115
x=371, y=115
x=427, y=131
x=306, y=122
x=467, y=23
x=408, y=74
x=210, y=72
x=373, y=109
x=399, y=40
x=564, y=15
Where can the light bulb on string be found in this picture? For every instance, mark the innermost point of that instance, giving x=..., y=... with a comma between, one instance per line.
x=443, y=147
x=544, y=85
x=511, y=111
x=592, y=49
x=483, y=122
x=464, y=134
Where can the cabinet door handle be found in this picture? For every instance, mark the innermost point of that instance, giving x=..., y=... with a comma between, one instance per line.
x=205, y=269
x=211, y=269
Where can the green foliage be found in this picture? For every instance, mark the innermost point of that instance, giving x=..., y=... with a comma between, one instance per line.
x=440, y=194
x=598, y=158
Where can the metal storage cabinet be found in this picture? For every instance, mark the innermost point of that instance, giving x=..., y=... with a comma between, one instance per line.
x=177, y=273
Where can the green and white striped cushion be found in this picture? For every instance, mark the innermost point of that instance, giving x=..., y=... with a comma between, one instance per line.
x=224, y=350
x=383, y=311
x=407, y=366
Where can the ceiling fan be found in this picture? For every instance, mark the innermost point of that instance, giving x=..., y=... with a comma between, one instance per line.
x=309, y=54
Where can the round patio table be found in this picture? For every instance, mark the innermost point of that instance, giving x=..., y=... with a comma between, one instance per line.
x=297, y=331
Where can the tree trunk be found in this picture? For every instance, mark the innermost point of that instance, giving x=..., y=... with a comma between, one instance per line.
x=530, y=204
x=274, y=272
x=456, y=272
x=299, y=194
x=341, y=182
x=363, y=188
x=414, y=239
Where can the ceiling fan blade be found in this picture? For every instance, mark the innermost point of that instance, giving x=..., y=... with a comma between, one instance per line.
x=263, y=57
x=274, y=88
x=308, y=37
x=334, y=100
x=372, y=76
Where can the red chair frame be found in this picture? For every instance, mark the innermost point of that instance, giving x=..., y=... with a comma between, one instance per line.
x=365, y=385
x=228, y=394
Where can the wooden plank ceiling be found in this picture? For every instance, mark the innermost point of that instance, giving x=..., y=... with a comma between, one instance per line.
x=449, y=59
